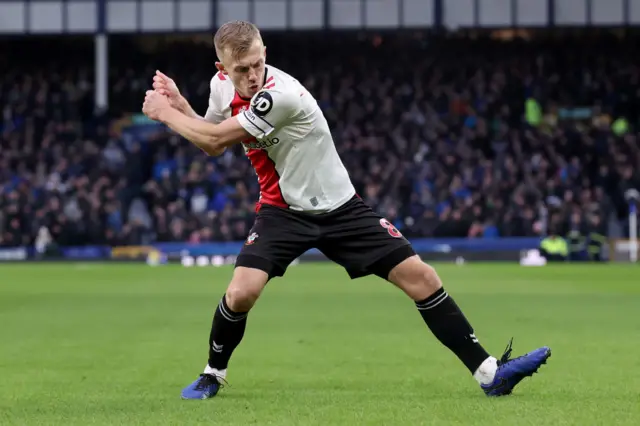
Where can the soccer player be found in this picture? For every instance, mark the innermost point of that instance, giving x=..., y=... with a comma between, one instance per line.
x=306, y=201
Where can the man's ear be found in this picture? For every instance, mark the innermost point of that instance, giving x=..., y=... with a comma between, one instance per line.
x=220, y=67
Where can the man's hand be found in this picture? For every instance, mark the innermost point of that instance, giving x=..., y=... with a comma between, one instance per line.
x=167, y=87
x=155, y=104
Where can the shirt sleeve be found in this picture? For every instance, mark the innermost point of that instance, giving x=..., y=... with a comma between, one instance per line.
x=269, y=110
x=214, y=112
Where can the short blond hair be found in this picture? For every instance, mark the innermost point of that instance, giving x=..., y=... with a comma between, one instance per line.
x=235, y=37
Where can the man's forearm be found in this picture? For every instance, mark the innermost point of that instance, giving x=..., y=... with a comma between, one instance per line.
x=186, y=108
x=199, y=132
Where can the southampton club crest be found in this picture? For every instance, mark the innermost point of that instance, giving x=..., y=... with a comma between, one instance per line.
x=252, y=238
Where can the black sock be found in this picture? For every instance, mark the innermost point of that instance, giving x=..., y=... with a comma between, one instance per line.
x=227, y=330
x=449, y=325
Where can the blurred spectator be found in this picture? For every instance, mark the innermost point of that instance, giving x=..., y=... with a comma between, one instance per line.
x=44, y=243
x=554, y=248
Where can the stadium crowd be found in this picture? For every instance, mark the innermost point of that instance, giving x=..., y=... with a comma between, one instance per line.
x=447, y=138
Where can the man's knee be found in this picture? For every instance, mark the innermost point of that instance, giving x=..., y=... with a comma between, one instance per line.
x=245, y=288
x=417, y=279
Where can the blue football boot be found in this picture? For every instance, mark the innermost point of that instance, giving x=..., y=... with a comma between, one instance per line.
x=511, y=371
x=206, y=386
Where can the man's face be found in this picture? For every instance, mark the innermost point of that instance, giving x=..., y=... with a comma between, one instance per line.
x=246, y=72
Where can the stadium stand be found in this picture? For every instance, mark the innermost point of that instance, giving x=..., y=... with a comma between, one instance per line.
x=459, y=138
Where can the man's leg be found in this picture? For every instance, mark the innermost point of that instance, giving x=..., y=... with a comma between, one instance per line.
x=447, y=322
x=365, y=243
x=443, y=316
x=227, y=329
x=277, y=238
x=230, y=317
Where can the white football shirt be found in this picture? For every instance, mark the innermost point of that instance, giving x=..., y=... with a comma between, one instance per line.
x=291, y=150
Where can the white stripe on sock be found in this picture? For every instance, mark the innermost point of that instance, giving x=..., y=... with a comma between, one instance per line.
x=228, y=315
x=433, y=303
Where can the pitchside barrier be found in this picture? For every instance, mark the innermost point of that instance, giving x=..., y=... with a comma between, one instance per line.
x=522, y=250
x=494, y=249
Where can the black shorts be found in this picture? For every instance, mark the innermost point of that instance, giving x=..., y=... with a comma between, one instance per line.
x=353, y=236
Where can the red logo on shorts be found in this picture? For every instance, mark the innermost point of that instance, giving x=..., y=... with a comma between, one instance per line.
x=252, y=238
x=392, y=230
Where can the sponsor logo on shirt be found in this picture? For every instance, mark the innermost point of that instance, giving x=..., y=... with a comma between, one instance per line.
x=261, y=104
x=263, y=144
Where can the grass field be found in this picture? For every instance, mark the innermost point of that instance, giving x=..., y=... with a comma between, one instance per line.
x=115, y=344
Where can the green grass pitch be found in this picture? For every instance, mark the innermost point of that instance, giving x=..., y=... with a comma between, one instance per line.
x=114, y=344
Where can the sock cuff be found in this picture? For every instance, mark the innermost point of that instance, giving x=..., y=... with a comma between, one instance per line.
x=219, y=373
x=228, y=314
x=432, y=301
